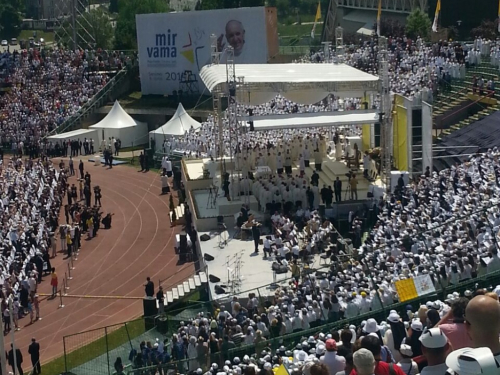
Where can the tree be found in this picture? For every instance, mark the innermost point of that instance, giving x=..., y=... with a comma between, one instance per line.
x=227, y=4
x=487, y=29
x=93, y=25
x=10, y=18
x=126, y=32
x=418, y=24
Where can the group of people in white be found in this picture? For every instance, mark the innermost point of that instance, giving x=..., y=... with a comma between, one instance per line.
x=31, y=196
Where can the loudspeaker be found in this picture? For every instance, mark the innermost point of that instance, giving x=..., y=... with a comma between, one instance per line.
x=251, y=126
x=219, y=290
x=322, y=209
x=149, y=305
x=208, y=257
x=183, y=244
x=213, y=279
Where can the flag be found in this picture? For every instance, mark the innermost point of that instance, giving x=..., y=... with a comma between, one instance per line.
x=316, y=19
x=281, y=370
x=436, y=16
x=379, y=14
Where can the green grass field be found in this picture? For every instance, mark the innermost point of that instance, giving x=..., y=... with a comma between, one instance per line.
x=95, y=348
x=26, y=34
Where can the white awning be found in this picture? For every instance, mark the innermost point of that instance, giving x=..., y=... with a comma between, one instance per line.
x=302, y=83
x=74, y=134
x=317, y=120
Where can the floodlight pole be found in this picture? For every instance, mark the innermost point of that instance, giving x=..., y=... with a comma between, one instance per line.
x=385, y=114
x=232, y=109
x=339, y=44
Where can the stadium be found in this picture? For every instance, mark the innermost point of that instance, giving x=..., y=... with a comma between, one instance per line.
x=218, y=188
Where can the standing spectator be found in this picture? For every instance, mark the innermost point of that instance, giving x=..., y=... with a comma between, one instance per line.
x=34, y=352
x=161, y=300
x=407, y=363
x=454, y=327
x=435, y=348
x=53, y=282
x=364, y=362
x=149, y=288
x=333, y=362
x=483, y=323
x=18, y=362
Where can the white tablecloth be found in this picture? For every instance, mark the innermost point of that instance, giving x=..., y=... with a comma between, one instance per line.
x=264, y=171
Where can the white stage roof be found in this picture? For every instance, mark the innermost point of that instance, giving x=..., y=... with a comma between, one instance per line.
x=316, y=120
x=316, y=79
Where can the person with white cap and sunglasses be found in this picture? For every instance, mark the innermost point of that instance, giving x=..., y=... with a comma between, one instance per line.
x=435, y=347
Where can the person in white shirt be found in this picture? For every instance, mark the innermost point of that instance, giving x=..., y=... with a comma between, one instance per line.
x=267, y=247
x=435, y=349
x=408, y=365
x=334, y=362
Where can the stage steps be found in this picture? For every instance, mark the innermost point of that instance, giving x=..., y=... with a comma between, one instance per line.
x=329, y=173
x=191, y=285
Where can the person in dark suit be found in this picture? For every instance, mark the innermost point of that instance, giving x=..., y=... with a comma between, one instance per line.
x=315, y=178
x=256, y=236
x=149, y=288
x=401, y=182
x=337, y=187
x=34, y=352
x=18, y=362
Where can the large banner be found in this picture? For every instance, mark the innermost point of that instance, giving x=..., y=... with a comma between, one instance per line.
x=170, y=44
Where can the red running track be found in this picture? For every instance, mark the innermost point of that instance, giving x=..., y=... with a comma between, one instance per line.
x=115, y=263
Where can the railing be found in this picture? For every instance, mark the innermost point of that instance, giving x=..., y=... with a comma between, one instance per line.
x=489, y=95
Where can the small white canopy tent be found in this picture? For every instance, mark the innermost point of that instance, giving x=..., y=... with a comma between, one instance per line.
x=178, y=125
x=119, y=124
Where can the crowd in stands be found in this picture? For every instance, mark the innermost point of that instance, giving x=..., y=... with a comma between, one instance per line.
x=429, y=339
x=43, y=88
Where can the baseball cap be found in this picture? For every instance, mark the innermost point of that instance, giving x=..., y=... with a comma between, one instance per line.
x=469, y=361
x=433, y=338
x=331, y=344
x=416, y=325
x=405, y=349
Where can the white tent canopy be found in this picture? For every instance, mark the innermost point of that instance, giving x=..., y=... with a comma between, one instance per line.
x=178, y=125
x=362, y=117
x=120, y=125
x=76, y=134
x=301, y=83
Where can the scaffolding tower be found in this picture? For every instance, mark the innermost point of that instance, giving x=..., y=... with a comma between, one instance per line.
x=339, y=45
x=385, y=114
x=76, y=28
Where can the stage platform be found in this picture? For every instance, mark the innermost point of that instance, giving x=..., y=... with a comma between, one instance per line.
x=240, y=270
x=222, y=206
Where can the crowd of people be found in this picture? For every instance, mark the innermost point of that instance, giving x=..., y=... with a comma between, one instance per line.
x=44, y=88
x=429, y=339
x=444, y=225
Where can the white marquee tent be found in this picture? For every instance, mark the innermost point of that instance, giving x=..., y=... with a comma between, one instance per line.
x=178, y=125
x=119, y=124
